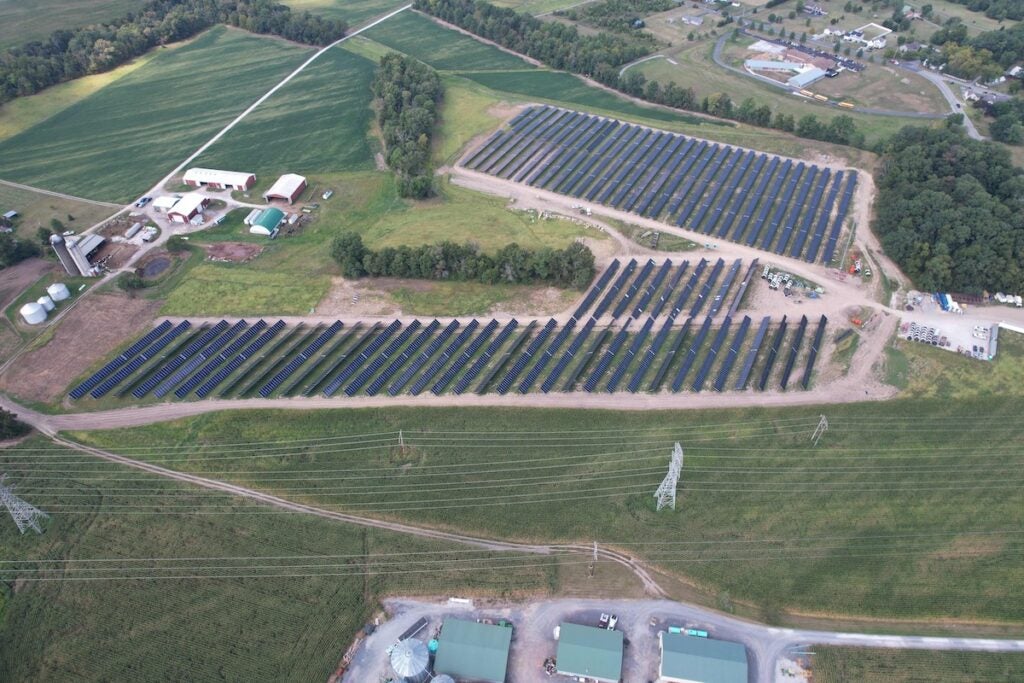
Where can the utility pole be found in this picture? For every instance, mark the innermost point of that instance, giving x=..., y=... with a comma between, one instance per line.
x=820, y=429
x=593, y=563
x=666, y=493
x=25, y=516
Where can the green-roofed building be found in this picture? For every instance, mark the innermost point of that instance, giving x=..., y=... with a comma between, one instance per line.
x=470, y=651
x=687, y=659
x=266, y=222
x=589, y=652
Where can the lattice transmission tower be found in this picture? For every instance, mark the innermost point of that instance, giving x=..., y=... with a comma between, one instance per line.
x=666, y=493
x=820, y=429
x=25, y=515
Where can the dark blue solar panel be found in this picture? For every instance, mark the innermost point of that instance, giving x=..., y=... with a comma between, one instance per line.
x=746, y=212
x=810, y=214
x=606, y=358
x=734, y=350
x=520, y=364
x=815, y=346
x=485, y=358
x=634, y=146
x=784, y=172
x=634, y=349
x=631, y=291
x=464, y=357
x=738, y=198
x=800, y=204
x=414, y=346
x=297, y=362
x=702, y=297
x=614, y=290
x=567, y=357
x=714, y=187
x=546, y=357
x=122, y=358
x=381, y=358
x=783, y=205
x=748, y=363
x=665, y=178
x=208, y=369
x=793, y=351
x=679, y=178
x=667, y=294
x=563, y=151
x=645, y=298
x=654, y=174
x=773, y=351
x=579, y=181
x=204, y=355
x=726, y=195
x=670, y=357
x=694, y=186
x=232, y=365
x=596, y=290
x=837, y=226
x=140, y=360
x=709, y=360
x=590, y=151
x=180, y=359
x=719, y=299
x=825, y=214
x=357, y=363
x=691, y=355
x=422, y=359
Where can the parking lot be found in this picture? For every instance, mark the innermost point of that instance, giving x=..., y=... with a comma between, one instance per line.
x=974, y=333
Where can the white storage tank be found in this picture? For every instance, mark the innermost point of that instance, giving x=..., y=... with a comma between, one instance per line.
x=411, y=661
x=46, y=302
x=58, y=291
x=33, y=313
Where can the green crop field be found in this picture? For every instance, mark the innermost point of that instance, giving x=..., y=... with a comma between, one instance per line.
x=21, y=22
x=440, y=47
x=913, y=506
x=878, y=665
x=116, y=142
x=279, y=597
x=355, y=12
x=317, y=123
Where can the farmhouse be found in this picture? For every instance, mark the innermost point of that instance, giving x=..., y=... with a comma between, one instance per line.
x=470, y=651
x=287, y=188
x=265, y=222
x=686, y=659
x=589, y=652
x=188, y=207
x=219, y=180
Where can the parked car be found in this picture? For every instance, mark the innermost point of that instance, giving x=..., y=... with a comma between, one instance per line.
x=612, y=621
x=142, y=202
x=603, y=623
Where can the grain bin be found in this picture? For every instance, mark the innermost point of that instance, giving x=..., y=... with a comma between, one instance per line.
x=58, y=291
x=33, y=313
x=411, y=661
x=46, y=302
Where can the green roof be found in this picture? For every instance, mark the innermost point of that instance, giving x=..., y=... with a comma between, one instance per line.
x=702, y=659
x=589, y=651
x=270, y=218
x=474, y=652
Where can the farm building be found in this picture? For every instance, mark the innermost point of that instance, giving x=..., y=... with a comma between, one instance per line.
x=266, y=222
x=771, y=65
x=165, y=203
x=10, y=215
x=589, y=652
x=802, y=80
x=188, y=207
x=686, y=659
x=219, y=180
x=287, y=188
x=470, y=651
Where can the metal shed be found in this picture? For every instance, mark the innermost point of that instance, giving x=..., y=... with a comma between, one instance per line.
x=589, y=652
x=686, y=659
x=471, y=651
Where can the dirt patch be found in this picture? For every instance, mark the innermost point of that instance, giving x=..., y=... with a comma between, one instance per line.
x=353, y=298
x=85, y=336
x=232, y=252
x=382, y=165
x=538, y=301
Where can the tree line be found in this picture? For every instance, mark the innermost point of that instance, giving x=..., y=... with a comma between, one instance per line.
x=618, y=15
x=72, y=53
x=601, y=57
x=569, y=267
x=15, y=250
x=407, y=93
x=11, y=427
x=950, y=211
x=996, y=9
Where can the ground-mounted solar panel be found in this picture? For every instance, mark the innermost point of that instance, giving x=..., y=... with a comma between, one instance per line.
x=485, y=149
x=570, y=353
x=691, y=355
x=646, y=162
x=297, y=362
x=679, y=178
x=514, y=144
x=531, y=350
x=464, y=357
x=585, y=175
x=782, y=176
x=712, y=356
x=649, y=355
x=492, y=152
x=694, y=188
x=586, y=359
x=534, y=154
x=205, y=354
x=402, y=358
x=823, y=216
x=558, y=168
x=666, y=295
x=755, y=347
x=819, y=334
x=810, y=214
x=631, y=353
x=723, y=290
x=773, y=352
x=225, y=371
x=177, y=361
x=791, y=220
x=546, y=356
x=383, y=356
x=614, y=290
x=226, y=353
x=672, y=353
x=718, y=181
x=721, y=195
x=449, y=352
x=355, y=364
x=661, y=184
x=837, y=226
x=784, y=205
x=606, y=358
x=433, y=347
x=734, y=351
x=589, y=152
x=316, y=367
x=629, y=151
x=742, y=289
x=645, y=298
x=365, y=335
x=596, y=290
x=547, y=161
x=725, y=217
x=654, y=174
x=631, y=291
x=746, y=217
x=501, y=363
x=122, y=358
x=139, y=360
x=705, y=290
x=687, y=291
x=794, y=350
x=485, y=358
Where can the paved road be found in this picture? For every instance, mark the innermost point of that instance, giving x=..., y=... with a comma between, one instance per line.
x=955, y=105
x=535, y=622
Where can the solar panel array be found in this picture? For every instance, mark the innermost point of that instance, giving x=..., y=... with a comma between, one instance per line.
x=718, y=190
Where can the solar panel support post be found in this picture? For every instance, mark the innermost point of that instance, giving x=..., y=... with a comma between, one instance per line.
x=666, y=493
x=820, y=429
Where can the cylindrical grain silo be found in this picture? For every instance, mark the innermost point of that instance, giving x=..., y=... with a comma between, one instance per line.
x=411, y=661
x=46, y=302
x=58, y=291
x=33, y=313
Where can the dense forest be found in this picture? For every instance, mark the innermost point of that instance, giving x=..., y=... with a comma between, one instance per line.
x=950, y=211
x=996, y=9
x=569, y=267
x=985, y=56
x=601, y=57
x=70, y=54
x=618, y=15
x=407, y=93
x=14, y=250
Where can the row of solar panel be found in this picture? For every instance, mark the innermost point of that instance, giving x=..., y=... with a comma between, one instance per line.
x=641, y=170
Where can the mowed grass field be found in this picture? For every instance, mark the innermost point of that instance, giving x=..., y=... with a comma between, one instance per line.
x=442, y=48
x=914, y=507
x=279, y=597
x=21, y=22
x=317, y=123
x=118, y=141
x=870, y=665
x=37, y=210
